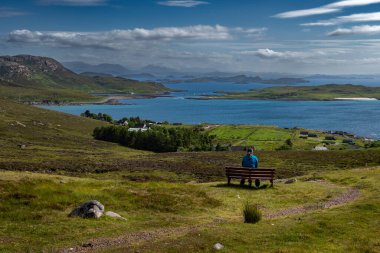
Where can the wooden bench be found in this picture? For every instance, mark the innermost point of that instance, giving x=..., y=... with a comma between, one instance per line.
x=250, y=174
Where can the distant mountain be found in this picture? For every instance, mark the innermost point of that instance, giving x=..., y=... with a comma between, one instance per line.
x=241, y=79
x=35, y=78
x=319, y=76
x=158, y=70
x=106, y=68
x=95, y=74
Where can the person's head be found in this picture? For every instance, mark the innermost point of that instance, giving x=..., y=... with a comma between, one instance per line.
x=249, y=151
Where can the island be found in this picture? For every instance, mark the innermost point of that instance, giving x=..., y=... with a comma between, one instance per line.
x=239, y=79
x=327, y=92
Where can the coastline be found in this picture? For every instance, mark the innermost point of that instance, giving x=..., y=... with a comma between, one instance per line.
x=106, y=99
x=280, y=99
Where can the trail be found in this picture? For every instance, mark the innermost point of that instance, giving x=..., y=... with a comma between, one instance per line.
x=139, y=237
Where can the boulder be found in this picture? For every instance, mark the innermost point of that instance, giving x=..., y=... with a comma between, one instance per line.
x=218, y=246
x=90, y=209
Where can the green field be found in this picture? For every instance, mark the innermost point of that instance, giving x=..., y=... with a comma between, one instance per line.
x=177, y=201
x=322, y=92
x=272, y=138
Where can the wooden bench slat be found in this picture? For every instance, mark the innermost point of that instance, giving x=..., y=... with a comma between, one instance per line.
x=251, y=172
x=253, y=178
x=250, y=175
x=243, y=168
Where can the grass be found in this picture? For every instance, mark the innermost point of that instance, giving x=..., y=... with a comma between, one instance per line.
x=34, y=207
x=348, y=228
x=251, y=213
x=155, y=191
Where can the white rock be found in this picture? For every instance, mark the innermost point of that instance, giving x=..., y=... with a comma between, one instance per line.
x=114, y=215
x=218, y=246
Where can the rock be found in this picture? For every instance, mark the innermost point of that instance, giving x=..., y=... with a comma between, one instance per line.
x=291, y=181
x=90, y=209
x=114, y=215
x=22, y=146
x=218, y=246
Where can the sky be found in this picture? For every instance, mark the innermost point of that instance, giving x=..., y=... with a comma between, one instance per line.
x=283, y=36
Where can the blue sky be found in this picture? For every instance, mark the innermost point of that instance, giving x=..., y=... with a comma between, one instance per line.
x=293, y=36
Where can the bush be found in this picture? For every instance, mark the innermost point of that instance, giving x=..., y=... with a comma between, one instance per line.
x=251, y=213
x=157, y=139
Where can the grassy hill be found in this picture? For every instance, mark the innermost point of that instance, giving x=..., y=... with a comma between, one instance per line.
x=323, y=92
x=174, y=201
x=34, y=78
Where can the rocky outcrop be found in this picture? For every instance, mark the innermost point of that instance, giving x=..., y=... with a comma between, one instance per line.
x=24, y=66
x=90, y=209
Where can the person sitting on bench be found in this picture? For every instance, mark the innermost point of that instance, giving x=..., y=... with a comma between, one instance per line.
x=250, y=161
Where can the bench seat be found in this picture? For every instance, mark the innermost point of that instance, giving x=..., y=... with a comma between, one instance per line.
x=250, y=174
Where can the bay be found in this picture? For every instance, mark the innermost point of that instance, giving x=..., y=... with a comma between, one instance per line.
x=358, y=117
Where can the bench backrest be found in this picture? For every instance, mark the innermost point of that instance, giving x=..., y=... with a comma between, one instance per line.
x=250, y=172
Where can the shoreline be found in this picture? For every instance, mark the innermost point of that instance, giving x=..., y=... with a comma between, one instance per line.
x=281, y=99
x=106, y=100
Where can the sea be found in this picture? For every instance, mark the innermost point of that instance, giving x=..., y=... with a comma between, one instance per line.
x=361, y=118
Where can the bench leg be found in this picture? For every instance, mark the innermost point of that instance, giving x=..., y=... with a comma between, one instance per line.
x=250, y=182
x=271, y=183
x=229, y=181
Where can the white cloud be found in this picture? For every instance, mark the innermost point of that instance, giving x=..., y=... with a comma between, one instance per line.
x=329, y=8
x=119, y=39
x=271, y=54
x=10, y=12
x=362, y=30
x=182, y=3
x=74, y=2
x=360, y=17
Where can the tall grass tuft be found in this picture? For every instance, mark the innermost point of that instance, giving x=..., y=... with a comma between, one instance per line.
x=251, y=213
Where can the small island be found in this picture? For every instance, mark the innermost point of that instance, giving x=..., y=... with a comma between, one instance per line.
x=240, y=79
x=327, y=92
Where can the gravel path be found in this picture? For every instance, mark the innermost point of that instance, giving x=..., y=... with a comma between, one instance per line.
x=139, y=237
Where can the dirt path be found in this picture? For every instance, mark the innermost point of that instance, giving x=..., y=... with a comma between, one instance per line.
x=139, y=237
x=341, y=199
x=136, y=238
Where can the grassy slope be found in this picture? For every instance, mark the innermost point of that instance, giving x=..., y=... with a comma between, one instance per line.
x=61, y=142
x=50, y=135
x=323, y=92
x=67, y=86
x=34, y=207
x=348, y=228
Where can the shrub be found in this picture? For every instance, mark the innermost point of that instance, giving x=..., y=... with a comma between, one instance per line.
x=251, y=213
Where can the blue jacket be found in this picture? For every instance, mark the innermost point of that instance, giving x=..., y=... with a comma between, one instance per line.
x=250, y=161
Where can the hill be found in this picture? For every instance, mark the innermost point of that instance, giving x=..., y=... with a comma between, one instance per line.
x=105, y=68
x=322, y=92
x=33, y=78
x=50, y=163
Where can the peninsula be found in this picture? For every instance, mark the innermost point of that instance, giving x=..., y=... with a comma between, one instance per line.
x=36, y=79
x=328, y=92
